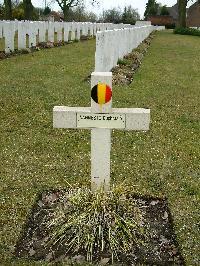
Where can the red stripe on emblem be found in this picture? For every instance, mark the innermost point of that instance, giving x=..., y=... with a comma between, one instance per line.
x=108, y=94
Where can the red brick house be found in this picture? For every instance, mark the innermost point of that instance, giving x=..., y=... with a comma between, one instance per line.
x=167, y=21
x=193, y=15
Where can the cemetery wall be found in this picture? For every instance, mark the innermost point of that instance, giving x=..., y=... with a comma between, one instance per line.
x=196, y=28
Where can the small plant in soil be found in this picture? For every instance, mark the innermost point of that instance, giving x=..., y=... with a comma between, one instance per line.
x=123, y=62
x=96, y=225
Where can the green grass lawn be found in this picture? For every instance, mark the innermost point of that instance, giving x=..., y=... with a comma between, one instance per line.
x=161, y=162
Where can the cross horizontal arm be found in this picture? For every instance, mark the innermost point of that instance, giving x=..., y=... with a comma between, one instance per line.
x=132, y=118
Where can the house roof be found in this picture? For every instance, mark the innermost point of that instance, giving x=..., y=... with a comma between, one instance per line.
x=173, y=11
x=197, y=3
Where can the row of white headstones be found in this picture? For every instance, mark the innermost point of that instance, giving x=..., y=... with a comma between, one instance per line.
x=112, y=45
x=102, y=118
x=46, y=32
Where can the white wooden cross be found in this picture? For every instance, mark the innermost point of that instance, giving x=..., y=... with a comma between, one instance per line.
x=101, y=119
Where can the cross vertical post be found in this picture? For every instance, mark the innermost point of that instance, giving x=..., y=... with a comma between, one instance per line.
x=100, y=138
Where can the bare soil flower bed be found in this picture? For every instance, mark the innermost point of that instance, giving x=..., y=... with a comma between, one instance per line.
x=160, y=247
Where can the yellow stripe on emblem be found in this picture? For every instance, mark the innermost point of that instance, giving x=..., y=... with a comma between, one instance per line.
x=101, y=93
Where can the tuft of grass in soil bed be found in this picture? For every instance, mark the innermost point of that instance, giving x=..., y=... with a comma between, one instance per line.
x=96, y=224
x=77, y=225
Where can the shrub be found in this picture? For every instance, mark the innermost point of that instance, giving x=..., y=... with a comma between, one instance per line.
x=170, y=26
x=123, y=62
x=187, y=31
x=97, y=223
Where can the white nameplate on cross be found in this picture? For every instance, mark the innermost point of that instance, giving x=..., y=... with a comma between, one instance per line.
x=101, y=118
x=85, y=120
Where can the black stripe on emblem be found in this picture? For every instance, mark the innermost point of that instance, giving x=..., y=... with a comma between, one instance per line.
x=94, y=94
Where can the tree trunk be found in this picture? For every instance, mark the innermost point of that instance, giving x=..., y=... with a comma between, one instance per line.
x=182, y=4
x=8, y=9
x=65, y=12
x=28, y=9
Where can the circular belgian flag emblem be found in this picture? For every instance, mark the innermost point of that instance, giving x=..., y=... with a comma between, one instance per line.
x=101, y=93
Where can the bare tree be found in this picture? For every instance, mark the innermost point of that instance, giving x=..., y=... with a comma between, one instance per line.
x=65, y=5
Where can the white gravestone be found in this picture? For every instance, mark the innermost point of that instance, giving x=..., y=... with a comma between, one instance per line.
x=78, y=31
x=9, y=34
x=1, y=29
x=32, y=34
x=42, y=31
x=51, y=32
x=59, y=29
x=21, y=35
x=101, y=119
x=72, y=29
x=66, y=31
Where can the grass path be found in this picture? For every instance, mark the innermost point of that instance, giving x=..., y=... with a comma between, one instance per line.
x=162, y=162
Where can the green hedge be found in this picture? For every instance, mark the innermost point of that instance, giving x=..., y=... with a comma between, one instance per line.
x=170, y=26
x=187, y=31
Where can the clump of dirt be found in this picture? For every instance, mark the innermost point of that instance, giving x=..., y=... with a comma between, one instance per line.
x=160, y=247
x=84, y=38
x=2, y=55
x=45, y=45
x=124, y=72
